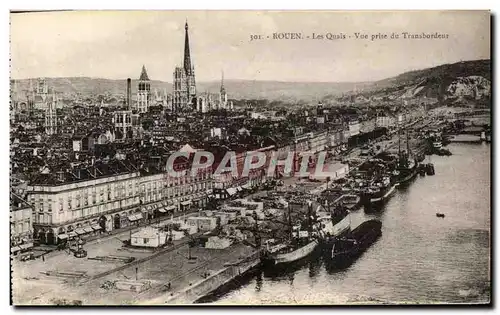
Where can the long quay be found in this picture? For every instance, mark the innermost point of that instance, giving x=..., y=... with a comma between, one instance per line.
x=140, y=261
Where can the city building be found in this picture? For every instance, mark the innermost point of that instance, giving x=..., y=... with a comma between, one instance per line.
x=88, y=199
x=184, y=87
x=202, y=223
x=318, y=141
x=125, y=124
x=21, y=233
x=202, y=104
x=143, y=92
x=149, y=237
x=386, y=120
x=189, y=190
x=83, y=200
x=81, y=143
x=354, y=128
x=217, y=132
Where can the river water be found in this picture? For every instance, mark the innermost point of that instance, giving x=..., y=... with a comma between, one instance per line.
x=418, y=259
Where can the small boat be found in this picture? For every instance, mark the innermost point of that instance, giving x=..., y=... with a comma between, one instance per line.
x=288, y=253
x=349, y=201
x=421, y=170
x=443, y=152
x=440, y=215
x=437, y=145
x=429, y=168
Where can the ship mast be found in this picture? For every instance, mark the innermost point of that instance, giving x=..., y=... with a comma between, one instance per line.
x=294, y=150
x=399, y=140
x=309, y=214
x=258, y=241
x=400, y=123
x=407, y=143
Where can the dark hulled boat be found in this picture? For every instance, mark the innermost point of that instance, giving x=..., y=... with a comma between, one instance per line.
x=343, y=251
x=379, y=190
x=406, y=170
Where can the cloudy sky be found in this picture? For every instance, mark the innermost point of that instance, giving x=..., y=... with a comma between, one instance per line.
x=115, y=44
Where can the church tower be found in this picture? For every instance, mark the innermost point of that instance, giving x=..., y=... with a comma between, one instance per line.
x=184, y=96
x=42, y=89
x=223, y=94
x=51, y=115
x=143, y=92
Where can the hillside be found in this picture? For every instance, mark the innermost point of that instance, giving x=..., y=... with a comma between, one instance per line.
x=468, y=79
x=434, y=82
x=446, y=71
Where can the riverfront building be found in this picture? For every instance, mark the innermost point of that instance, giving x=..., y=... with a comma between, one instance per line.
x=21, y=234
x=101, y=197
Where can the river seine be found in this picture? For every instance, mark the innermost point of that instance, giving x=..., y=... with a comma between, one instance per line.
x=419, y=258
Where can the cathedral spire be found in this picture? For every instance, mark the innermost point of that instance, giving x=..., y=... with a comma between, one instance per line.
x=187, y=55
x=144, y=74
x=222, y=89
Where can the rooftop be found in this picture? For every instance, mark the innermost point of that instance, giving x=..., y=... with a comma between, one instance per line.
x=61, y=176
x=16, y=202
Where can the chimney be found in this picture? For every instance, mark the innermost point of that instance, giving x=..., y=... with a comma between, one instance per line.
x=129, y=92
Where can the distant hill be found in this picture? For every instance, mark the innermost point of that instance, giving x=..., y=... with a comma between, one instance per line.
x=283, y=91
x=92, y=86
x=237, y=89
x=449, y=81
x=431, y=82
x=434, y=82
x=440, y=73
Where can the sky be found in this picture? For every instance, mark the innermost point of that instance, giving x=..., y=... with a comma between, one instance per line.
x=115, y=44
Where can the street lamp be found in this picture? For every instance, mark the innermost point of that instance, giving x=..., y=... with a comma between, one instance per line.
x=80, y=252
